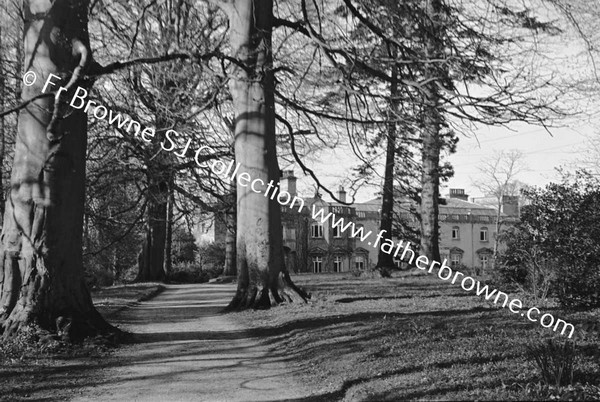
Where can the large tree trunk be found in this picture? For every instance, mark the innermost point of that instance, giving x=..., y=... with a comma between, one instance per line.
x=385, y=261
x=261, y=272
x=41, y=272
x=151, y=260
x=430, y=189
x=230, y=235
x=431, y=140
x=169, y=237
x=3, y=71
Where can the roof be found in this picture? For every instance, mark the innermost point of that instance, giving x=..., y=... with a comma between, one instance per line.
x=452, y=205
x=455, y=205
x=373, y=205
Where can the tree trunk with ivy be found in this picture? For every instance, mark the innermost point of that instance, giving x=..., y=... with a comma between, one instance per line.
x=431, y=135
x=41, y=269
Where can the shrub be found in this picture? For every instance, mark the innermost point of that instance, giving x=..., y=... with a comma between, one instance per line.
x=555, y=248
x=462, y=268
x=212, y=259
x=578, y=285
x=186, y=272
x=555, y=360
x=534, y=273
x=184, y=246
x=97, y=276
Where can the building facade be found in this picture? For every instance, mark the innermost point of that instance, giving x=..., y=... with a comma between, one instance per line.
x=467, y=231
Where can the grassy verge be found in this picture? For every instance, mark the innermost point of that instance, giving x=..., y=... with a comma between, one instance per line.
x=110, y=300
x=415, y=338
x=31, y=370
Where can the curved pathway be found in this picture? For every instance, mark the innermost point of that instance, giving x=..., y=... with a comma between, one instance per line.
x=184, y=349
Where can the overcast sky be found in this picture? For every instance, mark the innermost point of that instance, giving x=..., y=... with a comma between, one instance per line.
x=542, y=152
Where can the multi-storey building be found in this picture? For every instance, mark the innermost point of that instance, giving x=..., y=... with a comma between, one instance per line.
x=316, y=246
x=467, y=231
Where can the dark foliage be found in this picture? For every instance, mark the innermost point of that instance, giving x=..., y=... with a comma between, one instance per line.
x=184, y=246
x=557, y=242
x=212, y=259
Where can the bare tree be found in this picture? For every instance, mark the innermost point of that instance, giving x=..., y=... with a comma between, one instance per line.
x=174, y=95
x=498, y=179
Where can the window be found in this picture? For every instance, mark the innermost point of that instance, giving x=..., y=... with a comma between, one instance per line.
x=317, y=264
x=316, y=230
x=483, y=234
x=485, y=218
x=337, y=233
x=359, y=230
x=485, y=259
x=337, y=264
x=455, y=233
x=454, y=217
x=443, y=217
x=359, y=263
x=398, y=262
x=455, y=260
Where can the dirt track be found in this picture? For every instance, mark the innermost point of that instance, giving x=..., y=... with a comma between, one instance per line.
x=186, y=350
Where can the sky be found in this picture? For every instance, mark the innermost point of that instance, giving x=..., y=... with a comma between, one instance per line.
x=564, y=57
x=542, y=153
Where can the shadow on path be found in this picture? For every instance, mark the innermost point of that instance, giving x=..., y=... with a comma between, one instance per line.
x=184, y=348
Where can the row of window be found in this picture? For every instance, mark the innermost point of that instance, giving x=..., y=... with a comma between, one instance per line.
x=456, y=217
x=316, y=231
x=359, y=262
x=338, y=261
x=456, y=260
x=483, y=233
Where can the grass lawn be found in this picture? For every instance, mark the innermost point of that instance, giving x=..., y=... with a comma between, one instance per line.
x=415, y=337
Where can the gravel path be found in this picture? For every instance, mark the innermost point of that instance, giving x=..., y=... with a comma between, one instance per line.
x=186, y=350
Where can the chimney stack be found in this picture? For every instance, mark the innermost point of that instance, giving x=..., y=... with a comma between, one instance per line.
x=342, y=194
x=289, y=182
x=459, y=193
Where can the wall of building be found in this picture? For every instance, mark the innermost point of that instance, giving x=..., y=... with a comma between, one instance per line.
x=469, y=244
x=306, y=252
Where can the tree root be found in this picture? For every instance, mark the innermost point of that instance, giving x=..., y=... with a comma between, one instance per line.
x=265, y=297
x=71, y=329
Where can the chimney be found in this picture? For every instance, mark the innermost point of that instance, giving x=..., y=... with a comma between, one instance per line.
x=289, y=181
x=342, y=194
x=510, y=205
x=459, y=193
